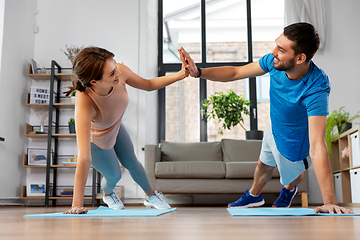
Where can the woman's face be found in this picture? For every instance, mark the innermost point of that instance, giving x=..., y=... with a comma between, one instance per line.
x=110, y=75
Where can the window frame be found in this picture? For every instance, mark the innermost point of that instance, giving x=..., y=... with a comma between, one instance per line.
x=163, y=68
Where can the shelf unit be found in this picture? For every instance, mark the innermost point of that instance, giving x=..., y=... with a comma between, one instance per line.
x=342, y=166
x=52, y=136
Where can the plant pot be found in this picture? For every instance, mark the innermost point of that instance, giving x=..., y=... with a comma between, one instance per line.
x=72, y=99
x=347, y=127
x=72, y=128
x=254, y=134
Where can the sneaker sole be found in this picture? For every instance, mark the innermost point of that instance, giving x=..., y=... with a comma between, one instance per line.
x=290, y=201
x=120, y=208
x=257, y=204
x=149, y=205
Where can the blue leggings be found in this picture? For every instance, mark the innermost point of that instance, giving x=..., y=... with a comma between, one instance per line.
x=107, y=163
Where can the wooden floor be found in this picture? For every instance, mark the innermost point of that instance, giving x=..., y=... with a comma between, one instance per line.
x=186, y=223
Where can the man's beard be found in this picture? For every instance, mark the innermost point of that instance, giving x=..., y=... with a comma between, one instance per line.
x=285, y=67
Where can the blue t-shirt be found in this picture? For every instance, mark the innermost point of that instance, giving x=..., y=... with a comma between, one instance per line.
x=291, y=103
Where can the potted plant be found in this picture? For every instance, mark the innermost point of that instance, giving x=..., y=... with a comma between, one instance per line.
x=229, y=109
x=342, y=121
x=71, y=123
x=72, y=97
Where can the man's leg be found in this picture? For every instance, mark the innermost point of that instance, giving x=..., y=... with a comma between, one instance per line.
x=263, y=174
x=253, y=197
x=293, y=184
x=288, y=193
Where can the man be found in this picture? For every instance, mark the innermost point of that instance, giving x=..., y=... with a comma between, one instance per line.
x=299, y=93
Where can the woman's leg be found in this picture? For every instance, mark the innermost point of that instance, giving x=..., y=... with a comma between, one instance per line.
x=106, y=162
x=125, y=151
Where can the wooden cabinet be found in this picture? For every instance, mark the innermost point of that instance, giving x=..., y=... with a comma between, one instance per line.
x=341, y=165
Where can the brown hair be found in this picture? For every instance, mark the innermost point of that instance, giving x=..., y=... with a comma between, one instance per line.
x=305, y=37
x=88, y=65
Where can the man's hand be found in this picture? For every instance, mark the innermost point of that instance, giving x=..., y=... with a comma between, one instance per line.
x=76, y=210
x=184, y=69
x=331, y=208
x=188, y=62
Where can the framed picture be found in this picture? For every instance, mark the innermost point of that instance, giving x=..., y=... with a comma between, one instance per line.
x=35, y=189
x=34, y=67
x=37, y=156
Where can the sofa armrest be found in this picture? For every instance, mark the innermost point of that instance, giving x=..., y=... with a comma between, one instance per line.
x=152, y=155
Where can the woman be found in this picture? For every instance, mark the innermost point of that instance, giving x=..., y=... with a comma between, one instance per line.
x=102, y=141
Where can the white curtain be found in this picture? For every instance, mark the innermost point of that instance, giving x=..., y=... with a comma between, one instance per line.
x=310, y=11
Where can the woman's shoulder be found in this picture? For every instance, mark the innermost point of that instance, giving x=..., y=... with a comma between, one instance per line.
x=83, y=98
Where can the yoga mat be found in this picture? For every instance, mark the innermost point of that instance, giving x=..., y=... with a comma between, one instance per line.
x=280, y=212
x=108, y=212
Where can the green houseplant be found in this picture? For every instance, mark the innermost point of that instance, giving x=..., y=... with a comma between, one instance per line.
x=72, y=96
x=342, y=121
x=229, y=108
x=71, y=123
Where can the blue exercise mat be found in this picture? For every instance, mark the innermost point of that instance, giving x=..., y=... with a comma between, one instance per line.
x=280, y=212
x=108, y=212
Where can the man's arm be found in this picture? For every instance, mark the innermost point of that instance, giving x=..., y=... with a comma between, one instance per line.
x=221, y=74
x=320, y=160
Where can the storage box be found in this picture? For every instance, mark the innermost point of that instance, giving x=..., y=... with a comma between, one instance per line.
x=338, y=187
x=355, y=149
x=355, y=185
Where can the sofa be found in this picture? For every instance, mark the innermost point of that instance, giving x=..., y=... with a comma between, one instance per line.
x=222, y=167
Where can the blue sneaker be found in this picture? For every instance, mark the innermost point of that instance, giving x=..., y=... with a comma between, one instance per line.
x=247, y=201
x=285, y=198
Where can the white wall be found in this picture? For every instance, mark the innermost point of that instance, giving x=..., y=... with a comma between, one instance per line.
x=340, y=60
x=17, y=48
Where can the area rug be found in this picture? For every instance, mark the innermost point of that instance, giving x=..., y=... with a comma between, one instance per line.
x=108, y=212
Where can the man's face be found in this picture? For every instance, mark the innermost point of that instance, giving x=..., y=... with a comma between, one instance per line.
x=284, y=55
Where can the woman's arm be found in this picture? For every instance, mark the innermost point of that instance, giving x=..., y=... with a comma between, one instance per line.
x=84, y=113
x=151, y=84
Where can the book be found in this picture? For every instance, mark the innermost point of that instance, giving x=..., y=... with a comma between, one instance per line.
x=69, y=163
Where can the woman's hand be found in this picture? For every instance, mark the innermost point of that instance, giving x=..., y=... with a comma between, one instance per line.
x=188, y=62
x=184, y=69
x=76, y=210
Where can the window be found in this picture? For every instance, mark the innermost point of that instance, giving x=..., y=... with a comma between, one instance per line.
x=215, y=33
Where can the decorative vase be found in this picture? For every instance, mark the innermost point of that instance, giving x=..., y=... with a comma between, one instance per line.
x=254, y=135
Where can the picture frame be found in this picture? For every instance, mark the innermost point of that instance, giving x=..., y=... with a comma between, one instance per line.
x=34, y=67
x=35, y=189
x=37, y=156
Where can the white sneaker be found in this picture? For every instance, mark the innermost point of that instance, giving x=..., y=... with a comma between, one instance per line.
x=113, y=201
x=156, y=201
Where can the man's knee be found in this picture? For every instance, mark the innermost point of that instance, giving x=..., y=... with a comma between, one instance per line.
x=263, y=167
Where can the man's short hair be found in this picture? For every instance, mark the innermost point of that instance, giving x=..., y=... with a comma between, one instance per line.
x=305, y=37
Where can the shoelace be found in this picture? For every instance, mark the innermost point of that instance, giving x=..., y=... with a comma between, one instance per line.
x=242, y=198
x=114, y=197
x=158, y=196
x=284, y=194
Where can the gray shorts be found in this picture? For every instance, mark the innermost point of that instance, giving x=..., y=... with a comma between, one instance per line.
x=270, y=156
